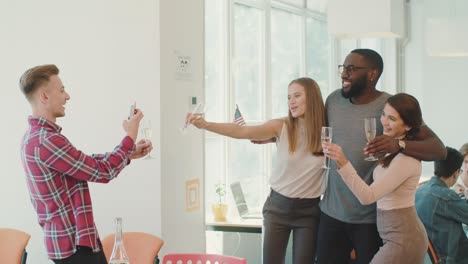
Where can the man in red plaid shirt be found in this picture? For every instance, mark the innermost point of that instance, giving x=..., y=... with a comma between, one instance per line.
x=58, y=173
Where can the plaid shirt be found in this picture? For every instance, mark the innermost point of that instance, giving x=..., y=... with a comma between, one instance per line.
x=57, y=175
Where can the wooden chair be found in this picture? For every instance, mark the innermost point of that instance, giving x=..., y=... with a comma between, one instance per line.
x=13, y=246
x=353, y=256
x=202, y=259
x=432, y=253
x=142, y=248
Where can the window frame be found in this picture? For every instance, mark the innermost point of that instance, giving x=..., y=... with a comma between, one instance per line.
x=228, y=40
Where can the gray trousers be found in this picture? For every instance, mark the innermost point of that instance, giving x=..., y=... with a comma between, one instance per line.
x=283, y=215
x=403, y=235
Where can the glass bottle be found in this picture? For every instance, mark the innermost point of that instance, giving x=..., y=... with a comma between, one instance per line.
x=119, y=255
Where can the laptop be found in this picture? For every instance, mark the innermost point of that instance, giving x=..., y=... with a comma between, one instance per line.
x=241, y=204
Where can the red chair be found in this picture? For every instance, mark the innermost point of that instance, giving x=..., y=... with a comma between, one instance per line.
x=202, y=259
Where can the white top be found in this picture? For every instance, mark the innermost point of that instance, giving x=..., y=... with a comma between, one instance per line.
x=393, y=187
x=298, y=174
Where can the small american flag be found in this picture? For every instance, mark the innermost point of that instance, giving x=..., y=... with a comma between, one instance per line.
x=238, y=119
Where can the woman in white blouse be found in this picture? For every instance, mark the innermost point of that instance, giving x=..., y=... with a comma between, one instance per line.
x=395, y=181
x=297, y=179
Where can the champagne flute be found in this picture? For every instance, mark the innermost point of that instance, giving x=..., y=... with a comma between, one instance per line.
x=147, y=133
x=327, y=134
x=199, y=109
x=370, y=129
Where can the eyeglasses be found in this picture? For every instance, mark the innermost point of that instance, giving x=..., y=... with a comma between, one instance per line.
x=349, y=69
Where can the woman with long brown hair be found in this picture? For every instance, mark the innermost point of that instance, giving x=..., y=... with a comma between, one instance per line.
x=297, y=180
x=395, y=181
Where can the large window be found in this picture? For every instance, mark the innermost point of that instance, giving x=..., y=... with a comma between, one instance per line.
x=286, y=51
x=254, y=48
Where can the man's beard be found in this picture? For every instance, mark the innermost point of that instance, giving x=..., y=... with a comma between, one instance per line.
x=357, y=86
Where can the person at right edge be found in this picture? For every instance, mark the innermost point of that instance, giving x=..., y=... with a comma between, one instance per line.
x=443, y=212
x=346, y=224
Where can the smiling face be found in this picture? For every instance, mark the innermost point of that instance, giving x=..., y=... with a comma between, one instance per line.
x=296, y=100
x=393, y=124
x=354, y=81
x=55, y=97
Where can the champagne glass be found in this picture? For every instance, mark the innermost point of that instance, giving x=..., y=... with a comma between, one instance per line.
x=370, y=129
x=199, y=109
x=327, y=134
x=147, y=133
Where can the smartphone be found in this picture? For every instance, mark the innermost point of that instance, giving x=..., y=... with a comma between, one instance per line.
x=132, y=110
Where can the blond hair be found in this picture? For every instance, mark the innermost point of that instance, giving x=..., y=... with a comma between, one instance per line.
x=35, y=77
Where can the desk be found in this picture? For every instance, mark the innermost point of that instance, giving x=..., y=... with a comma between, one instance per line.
x=236, y=225
x=236, y=237
x=249, y=236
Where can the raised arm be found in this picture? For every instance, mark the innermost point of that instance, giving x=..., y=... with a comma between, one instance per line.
x=425, y=146
x=400, y=169
x=60, y=155
x=267, y=130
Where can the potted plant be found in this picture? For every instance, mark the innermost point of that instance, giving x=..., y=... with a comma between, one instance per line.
x=220, y=208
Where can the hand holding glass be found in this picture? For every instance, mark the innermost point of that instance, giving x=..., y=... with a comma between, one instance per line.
x=147, y=133
x=327, y=134
x=370, y=129
x=198, y=110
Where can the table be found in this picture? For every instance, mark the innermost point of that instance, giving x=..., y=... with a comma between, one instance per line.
x=236, y=225
x=251, y=249
x=241, y=237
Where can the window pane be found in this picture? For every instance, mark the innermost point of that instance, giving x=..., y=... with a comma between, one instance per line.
x=317, y=5
x=347, y=45
x=285, y=57
x=318, y=58
x=214, y=167
x=248, y=46
x=246, y=166
x=251, y=2
x=215, y=60
x=374, y=44
x=299, y=3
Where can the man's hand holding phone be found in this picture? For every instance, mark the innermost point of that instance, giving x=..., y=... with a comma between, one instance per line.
x=132, y=111
x=132, y=125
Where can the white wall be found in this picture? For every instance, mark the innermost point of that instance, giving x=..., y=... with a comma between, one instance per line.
x=114, y=52
x=182, y=34
x=108, y=53
x=438, y=83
